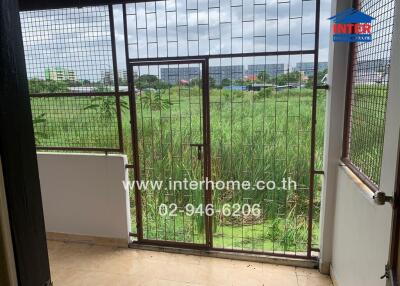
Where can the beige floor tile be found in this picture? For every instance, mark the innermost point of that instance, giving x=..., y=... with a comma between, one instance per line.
x=273, y=268
x=314, y=280
x=307, y=272
x=164, y=282
x=93, y=278
x=85, y=265
x=279, y=278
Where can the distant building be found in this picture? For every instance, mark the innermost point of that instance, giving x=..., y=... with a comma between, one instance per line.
x=218, y=73
x=308, y=67
x=108, y=77
x=59, y=74
x=370, y=77
x=123, y=76
x=374, y=66
x=232, y=73
x=250, y=77
x=270, y=69
x=175, y=75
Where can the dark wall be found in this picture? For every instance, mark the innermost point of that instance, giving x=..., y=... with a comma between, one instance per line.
x=18, y=155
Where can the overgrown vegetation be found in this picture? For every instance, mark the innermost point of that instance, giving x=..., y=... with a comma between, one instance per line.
x=106, y=105
x=262, y=135
x=39, y=86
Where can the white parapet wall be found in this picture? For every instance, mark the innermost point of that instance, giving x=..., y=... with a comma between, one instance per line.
x=83, y=195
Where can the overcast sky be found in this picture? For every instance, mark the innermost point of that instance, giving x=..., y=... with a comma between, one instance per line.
x=78, y=39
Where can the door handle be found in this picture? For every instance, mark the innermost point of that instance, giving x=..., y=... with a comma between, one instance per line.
x=199, y=146
x=380, y=198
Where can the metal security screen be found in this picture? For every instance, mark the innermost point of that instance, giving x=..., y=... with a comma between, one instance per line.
x=367, y=94
x=213, y=92
x=261, y=58
x=70, y=67
x=170, y=29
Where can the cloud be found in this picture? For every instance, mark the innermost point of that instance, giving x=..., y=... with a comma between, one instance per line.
x=79, y=39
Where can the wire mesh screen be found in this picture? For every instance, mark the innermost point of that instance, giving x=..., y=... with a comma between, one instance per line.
x=69, y=63
x=177, y=28
x=64, y=122
x=369, y=91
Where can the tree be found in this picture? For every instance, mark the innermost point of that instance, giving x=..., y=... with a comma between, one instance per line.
x=238, y=82
x=39, y=85
x=162, y=84
x=150, y=81
x=320, y=76
x=291, y=77
x=155, y=100
x=38, y=121
x=122, y=81
x=263, y=77
x=226, y=82
x=198, y=82
x=106, y=105
x=211, y=82
x=147, y=81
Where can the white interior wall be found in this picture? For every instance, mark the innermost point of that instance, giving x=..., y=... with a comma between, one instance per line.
x=83, y=194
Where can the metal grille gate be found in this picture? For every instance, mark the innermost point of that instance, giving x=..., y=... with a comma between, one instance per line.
x=163, y=152
x=242, y=114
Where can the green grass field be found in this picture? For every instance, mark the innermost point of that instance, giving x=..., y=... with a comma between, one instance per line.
x=254, y=136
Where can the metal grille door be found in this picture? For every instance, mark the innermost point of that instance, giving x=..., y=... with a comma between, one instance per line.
x=172, y=148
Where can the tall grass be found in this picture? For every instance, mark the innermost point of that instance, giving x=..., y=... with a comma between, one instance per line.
x=254, y=136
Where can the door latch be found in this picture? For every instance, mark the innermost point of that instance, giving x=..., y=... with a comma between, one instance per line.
x=380, y=198
x=386, y=275
x=199, y=147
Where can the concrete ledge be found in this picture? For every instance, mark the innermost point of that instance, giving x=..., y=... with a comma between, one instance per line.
x=360, y=186
x=93, y=240
x=297, y=262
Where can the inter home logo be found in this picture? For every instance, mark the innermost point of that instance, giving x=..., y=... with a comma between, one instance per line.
x=352, y=25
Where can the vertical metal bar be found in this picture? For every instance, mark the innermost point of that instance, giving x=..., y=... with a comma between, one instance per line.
x=116, y=79
x=349, y=91
x=347, y=109
x=135, y=146
x=207, y=148
x=313, y=127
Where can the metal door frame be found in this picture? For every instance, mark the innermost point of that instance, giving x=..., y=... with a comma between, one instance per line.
x=207, y=164
x=206, y=149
